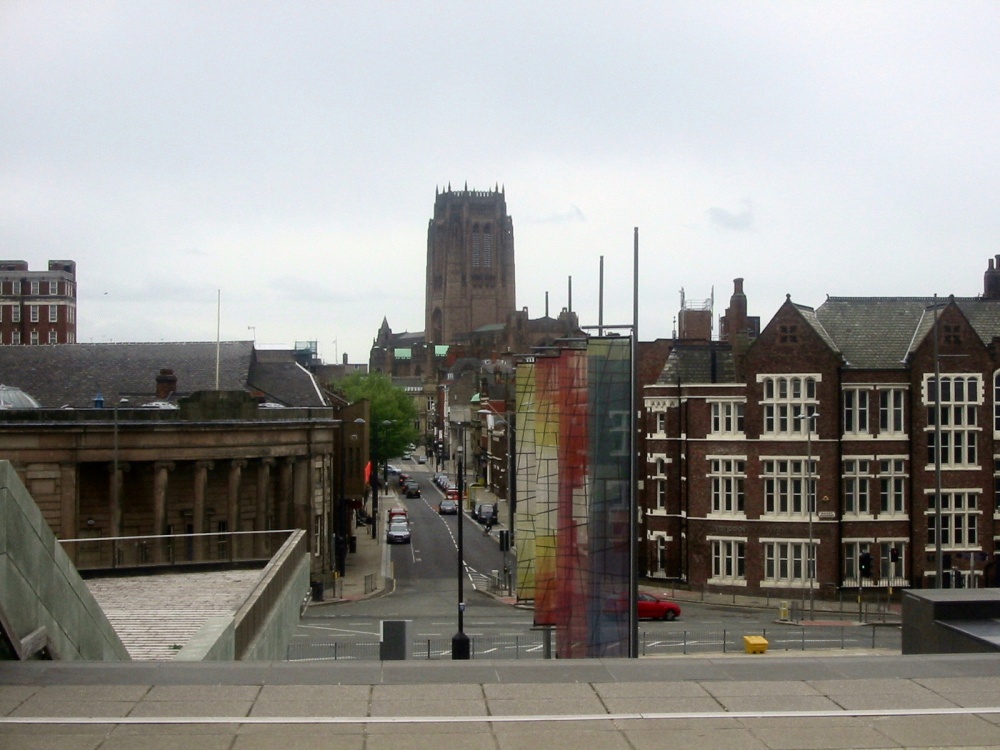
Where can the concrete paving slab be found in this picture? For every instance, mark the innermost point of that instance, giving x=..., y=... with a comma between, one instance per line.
x=310, y=708
x=428, y=707
x=98, y=708
x=827, y=737
x=13, y=696
x=758, y=688
x=300, y=738
x=329, y=693
x=149, y=741
x=611, y=690
x=661, y=705
x=702, y=738
x=443, y=691
x=938, y=731
x=205, y=693
x=554, y=737
x=420, y=738
x=48, y=740
x=524, y=707
x=531, y=691
x=759, y=703
x=192, y=708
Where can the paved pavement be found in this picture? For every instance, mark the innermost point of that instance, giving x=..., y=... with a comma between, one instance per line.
x=848, y=699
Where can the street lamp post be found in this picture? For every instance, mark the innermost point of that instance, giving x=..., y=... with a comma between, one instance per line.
x=343, y=533
x=811, y=556
x=374, y=475
x=460, y=641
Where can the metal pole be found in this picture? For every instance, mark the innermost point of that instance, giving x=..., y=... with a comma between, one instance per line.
x=460, y=641
x=810, y=554
x=939, y=556
x=633, y=521
x=341, y=515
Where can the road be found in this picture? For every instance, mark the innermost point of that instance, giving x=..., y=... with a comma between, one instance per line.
x=426, y=593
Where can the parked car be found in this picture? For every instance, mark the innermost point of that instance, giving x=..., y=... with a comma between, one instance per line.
x=398, y=512
x=452, y=494
x=406, y=456
x=411, y=489
x=652, y=607
x=398, y=532
x=448, y=507
x=484, y=511
x=421, y=459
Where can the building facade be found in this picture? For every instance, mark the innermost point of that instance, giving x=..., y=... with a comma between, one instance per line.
x=854, y=445
x=470, y=264
x=37, y=307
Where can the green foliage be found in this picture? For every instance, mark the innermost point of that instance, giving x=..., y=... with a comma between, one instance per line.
x=388, y=404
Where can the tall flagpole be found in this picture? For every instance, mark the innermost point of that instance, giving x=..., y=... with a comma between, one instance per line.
x=633, y=524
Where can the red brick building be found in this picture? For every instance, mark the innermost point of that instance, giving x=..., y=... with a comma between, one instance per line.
x=37, y=307
x=805, y=457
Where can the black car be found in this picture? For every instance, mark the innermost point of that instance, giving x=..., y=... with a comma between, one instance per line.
x=411, y=489
x=484, y=511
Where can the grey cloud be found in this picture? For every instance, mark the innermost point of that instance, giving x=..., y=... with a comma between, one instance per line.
x=737, y=222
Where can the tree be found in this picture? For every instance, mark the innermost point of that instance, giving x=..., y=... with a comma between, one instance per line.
x=388, y=404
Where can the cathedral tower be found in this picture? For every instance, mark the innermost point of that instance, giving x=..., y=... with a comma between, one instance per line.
x=470, y=264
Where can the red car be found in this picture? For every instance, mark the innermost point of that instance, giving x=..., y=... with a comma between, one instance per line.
x=652, y=607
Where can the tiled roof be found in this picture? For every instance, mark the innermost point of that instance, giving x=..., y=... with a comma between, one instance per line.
x=701, y=363
x=73, y=374
x=879, y=332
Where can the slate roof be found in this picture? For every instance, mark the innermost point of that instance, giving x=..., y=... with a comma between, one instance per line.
x=73, y=374
x=880, y=332
x=689, y=363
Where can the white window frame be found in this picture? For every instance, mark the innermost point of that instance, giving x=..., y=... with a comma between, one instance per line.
x=959, y=422
x=33, y=313
x=784, y=481
x=728, y=561
x=15, y=287
x=787, y=562
x=15, y=338
x=53, y=313
x=785, y=398
x=34, y=337
x=34, y=288
x=15, y=314
x=855, y=414
x=727, y=418
x=856, y=486
x=727, y=477
x=956, y=505
x=892, y=481
x=891, y=412
x=53, y=288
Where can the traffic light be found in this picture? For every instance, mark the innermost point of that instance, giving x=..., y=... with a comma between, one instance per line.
x=865, y=564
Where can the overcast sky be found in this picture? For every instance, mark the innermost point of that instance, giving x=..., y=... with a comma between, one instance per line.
x=285, y=155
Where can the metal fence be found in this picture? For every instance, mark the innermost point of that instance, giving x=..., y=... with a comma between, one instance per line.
x=531, y=645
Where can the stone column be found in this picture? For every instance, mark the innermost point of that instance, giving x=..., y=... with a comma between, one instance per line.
x=302, y=518
x=161, y=476
x=115, y=484
x=285, y=493
x=261, y=545
x=201, y=469
x=233, y=498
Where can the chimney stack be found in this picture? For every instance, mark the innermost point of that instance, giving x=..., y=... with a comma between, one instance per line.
x=166, y=384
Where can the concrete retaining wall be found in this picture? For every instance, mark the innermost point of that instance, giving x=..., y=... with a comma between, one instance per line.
x=40, y=588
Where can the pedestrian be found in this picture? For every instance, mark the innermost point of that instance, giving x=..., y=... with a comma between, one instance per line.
x=488, y=525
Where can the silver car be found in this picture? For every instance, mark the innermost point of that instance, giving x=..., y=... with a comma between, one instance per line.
x=398, y=532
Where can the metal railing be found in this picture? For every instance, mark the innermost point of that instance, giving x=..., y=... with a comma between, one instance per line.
x=531, y=645
x=127, y=552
